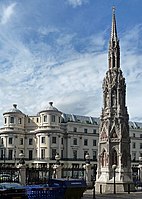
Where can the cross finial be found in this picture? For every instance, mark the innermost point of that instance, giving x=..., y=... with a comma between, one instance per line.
x=113, y=9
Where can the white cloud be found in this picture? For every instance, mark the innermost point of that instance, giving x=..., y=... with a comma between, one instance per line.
x=38, y=71
x=7, y=12
x=76, y=3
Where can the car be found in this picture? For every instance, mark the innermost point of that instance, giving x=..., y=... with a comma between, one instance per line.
x=12, y=191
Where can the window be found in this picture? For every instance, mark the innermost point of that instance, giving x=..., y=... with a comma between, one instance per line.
x=2, y=141
x=85, y=152
x=21, y=141
x=74, y=141
x=94, y=155
x=85, y=130
x=140, y=145
x=37, y=119
x=29, y=120
x=134, y=135
x=10, y=154
x=53, y=153
x=2, y=154
x=62, y=154
x=53, y=118
x=85, y=142
x=74, y=154
x=5, y=120
x=21, y=151
x=62, y=141
x=133, y=145
x=30, y=141
x=43, y=140
x=133, y=156
x=59, y=119
x=19, y=121
x=74, y=129
x=53, y=140
x=11, y=119
x=10, y=140
x=140, y=135
x=30, y=154
x=94, y=142
x=42, y=153
x=45, y=118
x=94, y=131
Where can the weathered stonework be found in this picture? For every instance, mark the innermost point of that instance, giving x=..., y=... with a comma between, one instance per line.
x=114, y=140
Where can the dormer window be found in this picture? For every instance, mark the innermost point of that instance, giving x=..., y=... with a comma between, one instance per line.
x=19, y=121
x=45, y=118
x=53, y=118
x=11, y=119
x=10, y=141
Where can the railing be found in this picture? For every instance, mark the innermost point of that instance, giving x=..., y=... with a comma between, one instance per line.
x=9, y=174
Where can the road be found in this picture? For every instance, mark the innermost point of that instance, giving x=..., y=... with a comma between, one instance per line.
x=135, y=195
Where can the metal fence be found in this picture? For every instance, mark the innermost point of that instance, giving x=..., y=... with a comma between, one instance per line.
x=38, y=175
x=73, y=172
x=9, y=174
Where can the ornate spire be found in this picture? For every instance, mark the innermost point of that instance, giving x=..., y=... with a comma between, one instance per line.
x=113, y=28
x=114, y=49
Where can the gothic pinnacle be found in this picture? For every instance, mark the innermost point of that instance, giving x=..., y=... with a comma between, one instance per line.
x=113, y=28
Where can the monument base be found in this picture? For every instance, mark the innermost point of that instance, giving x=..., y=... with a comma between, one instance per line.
x=108, y=187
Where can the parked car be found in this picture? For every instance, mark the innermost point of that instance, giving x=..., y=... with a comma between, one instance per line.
x=12, y=191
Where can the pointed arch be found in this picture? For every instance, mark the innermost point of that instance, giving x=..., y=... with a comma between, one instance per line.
x=113, y=133
x=114, y=157
x=104, y=160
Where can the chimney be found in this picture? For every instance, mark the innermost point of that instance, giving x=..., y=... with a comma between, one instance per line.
x=15, y=105
x=50, y=103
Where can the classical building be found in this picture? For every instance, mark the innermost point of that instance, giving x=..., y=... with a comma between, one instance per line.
x=40, y=137
x=50, y=131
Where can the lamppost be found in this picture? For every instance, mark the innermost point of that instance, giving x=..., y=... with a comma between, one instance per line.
x=57, y=167
x=57, y=158
x=114, y=184
x=87, y=158
x=88, y=170
x=21, y=161
x=22, y=169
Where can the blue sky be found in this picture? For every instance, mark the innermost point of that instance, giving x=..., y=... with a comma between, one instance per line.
x=56, y=50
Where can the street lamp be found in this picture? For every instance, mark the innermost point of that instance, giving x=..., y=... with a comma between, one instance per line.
x=57, y=158
x=114, y=185
x=87, y=158
x=21, y=161
x=56, y=165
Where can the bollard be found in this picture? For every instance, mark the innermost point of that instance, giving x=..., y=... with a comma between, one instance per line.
x=128, y=188
x=100, y=189
x=94, y=196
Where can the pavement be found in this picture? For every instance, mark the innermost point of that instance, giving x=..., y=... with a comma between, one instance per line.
x=133, y=195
